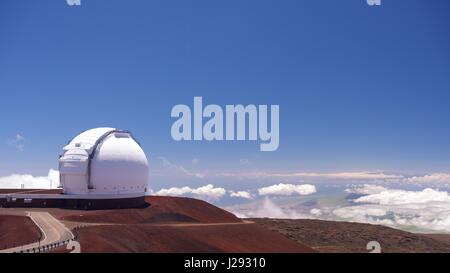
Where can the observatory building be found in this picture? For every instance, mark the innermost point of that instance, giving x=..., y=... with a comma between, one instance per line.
x=100, y=168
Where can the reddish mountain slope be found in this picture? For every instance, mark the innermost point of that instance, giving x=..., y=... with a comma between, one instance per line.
x=162, y=209
x=17, y=230
x=242, y=238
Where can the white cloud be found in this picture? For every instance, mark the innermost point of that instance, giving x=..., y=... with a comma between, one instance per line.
x=267, y=209
x=208, y=192
x=174, y=191
x=316, y=212
x=365, y=189
x=287, y=189
x=402, y=197
x=15, y=181
x=18, y=141
x=241, y=194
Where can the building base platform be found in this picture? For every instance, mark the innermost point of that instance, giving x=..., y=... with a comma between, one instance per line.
x=54, y=200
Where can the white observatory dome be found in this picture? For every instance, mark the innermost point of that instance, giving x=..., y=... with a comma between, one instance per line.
x=104, y=161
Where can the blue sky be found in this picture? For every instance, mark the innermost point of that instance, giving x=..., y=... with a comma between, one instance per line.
x=360, y=88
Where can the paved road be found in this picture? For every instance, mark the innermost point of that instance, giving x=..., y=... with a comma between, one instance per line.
x=200, y=224
x=52, y=229
x=87, y=224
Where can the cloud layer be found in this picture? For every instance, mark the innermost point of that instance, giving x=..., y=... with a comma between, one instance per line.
x=427, y=210
x=287, y=189
x=241, y=194
x=402, y=197
x=15, y=181
x=210, y=192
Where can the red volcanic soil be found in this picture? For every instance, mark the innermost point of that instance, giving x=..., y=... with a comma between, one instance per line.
x=214, y=238
x=17, y=230
x=162, y=209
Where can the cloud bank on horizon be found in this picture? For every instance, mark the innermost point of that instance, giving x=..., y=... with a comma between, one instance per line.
x=28, y=181
x=214, y=193
x=287, y=189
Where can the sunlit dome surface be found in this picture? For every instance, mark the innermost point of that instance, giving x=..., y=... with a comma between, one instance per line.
x=104, y=161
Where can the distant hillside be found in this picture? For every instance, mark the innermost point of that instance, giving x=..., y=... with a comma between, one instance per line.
x=342, y=237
